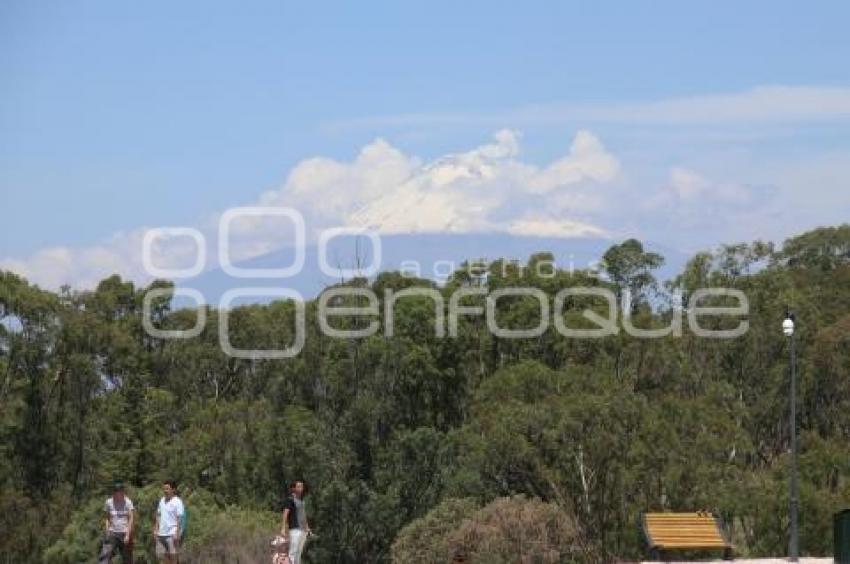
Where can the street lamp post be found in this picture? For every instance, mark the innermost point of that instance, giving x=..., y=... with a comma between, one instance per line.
x=794, y=541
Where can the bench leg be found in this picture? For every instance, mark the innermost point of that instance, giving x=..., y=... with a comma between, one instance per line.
x=727, y=554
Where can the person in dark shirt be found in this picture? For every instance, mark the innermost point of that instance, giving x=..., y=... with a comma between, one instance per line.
x=295, y=527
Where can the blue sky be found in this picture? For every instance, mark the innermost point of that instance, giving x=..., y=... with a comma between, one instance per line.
x=116, y=116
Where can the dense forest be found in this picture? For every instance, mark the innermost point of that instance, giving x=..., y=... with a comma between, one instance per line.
x=416, y=444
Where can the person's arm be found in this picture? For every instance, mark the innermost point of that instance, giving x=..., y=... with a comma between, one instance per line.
x=179, y=534
x=284, y=528
x=128, y=537
x=155, y=522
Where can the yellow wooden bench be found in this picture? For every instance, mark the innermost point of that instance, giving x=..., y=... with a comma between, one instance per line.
x=684, y=531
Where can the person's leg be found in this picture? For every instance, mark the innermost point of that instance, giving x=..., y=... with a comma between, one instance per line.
x=296, y=540
x=301, y=542
x=162, y=549
x=129, y=557
x=293, y=538
x=107, y=547
x=125, y=549
x=172, y=551
x=301, y=545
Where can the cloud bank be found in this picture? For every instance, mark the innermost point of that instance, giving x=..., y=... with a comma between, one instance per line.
x=486, y=189
x=586, y=192
x=767, y=104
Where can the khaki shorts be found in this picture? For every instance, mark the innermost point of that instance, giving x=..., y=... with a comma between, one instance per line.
x=166, y=546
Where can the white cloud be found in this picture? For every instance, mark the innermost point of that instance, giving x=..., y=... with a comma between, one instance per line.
x=690, y=206
x=547, y=227
x=486, y=189
x=687, y=184
x=761, y=104
x=587, y=159
x=782, y=104
x=490, y=188
x=84, y=267
x=331, y=188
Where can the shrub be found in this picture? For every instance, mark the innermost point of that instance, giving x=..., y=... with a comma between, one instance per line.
x=508, y=529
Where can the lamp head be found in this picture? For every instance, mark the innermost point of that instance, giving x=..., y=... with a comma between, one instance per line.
x=788, y=324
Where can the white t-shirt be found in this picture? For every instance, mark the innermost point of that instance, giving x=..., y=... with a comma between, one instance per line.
x=119, y=514
x=170, y=514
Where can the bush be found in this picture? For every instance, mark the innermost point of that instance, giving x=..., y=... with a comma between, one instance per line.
x=231, y=536
x=425, y=540
x=27, y=524
x=508, y=529
x=517, y=529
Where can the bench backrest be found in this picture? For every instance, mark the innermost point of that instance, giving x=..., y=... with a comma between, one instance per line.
x=683, y=530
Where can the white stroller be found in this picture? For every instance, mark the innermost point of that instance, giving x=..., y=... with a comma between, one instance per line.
x=280, y=550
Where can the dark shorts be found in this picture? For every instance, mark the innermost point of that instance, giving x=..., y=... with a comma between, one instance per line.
x=112, y=543
x=166, y=546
